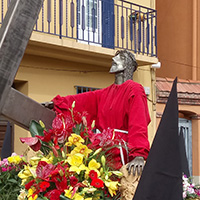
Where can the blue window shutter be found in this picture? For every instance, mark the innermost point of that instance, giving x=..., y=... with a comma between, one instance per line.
x=108, y=23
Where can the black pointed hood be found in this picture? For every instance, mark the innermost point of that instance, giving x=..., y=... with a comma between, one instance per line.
x=162, y=175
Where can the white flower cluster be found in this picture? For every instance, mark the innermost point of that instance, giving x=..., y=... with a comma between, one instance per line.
x=188, y=187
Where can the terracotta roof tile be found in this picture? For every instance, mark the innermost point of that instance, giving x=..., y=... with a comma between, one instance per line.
x=183, y=86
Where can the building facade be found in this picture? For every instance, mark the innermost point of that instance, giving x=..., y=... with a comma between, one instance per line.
x=178, y=51
x=72, y=46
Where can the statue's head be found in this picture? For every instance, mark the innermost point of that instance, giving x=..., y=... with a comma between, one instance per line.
x=123, y=61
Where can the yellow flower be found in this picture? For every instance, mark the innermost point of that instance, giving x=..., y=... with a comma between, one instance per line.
x=74, y=139
x=26, y=173
x=117, y=173
x=48, y=159
x=73, y=104
x=89, y=190
x=34, y=161
x=75, y=160
x=112, y=187
x=82, y=149
x=14, y=159
x=78, y=197
x=78, y=169
x=93, y=164
x=88, y=199
x=103, y=160
x=97, y=151
x=33, y=198
x=30, y=194
x=42, y=124
x=68, y=193
x=93, y=124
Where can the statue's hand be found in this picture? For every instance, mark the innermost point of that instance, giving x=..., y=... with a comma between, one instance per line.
x=49, y=104
x=137, y=164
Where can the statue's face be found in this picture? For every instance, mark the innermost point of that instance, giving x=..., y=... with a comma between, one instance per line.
x=118, y=63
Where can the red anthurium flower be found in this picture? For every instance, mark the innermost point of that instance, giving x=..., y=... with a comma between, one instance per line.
x=69, y=124
x=44, y=170
x=53, y=194
x=59, y=178
x=33, y=142
x=29, y=184
x=44, y=185
x=93, y=174
x=61, y=135
x=62, y=184
x=57, y=123
x=73, y=180
x=46, y=137
x=98, y=183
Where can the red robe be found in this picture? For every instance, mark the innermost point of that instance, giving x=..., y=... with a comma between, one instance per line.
x=121, y=107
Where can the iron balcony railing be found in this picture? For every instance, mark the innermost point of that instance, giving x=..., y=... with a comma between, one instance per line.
x=121, y=25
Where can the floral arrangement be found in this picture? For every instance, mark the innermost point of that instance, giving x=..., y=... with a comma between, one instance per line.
x=9, y=181
x=71, y=162
x=190, y=190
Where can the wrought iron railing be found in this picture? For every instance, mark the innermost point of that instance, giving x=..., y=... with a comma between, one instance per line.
x=121, y=25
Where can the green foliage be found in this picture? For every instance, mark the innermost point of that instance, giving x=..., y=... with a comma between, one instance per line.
x=35, y=128
x=10, y=185
x=62, y=197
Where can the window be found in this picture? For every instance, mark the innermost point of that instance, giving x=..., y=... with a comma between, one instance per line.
x=186, y=126
x=89, y=21
x=81, y=89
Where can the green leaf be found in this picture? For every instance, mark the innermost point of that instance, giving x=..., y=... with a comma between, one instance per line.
x=42, y=198
x=12, y=181
x=36, y=129
x=62, y=197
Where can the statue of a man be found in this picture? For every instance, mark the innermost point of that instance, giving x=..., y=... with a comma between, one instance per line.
x=121, y=106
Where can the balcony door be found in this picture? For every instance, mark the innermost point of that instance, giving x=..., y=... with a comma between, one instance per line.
x=96, y=22
x=89, y=21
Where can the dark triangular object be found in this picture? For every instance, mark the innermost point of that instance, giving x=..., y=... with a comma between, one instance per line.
x=184, y=161
x=6, y=150
x=162, y=175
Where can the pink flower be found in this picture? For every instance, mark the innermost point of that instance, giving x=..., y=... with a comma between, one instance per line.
x=197, y=191
x=4, y=169
x=33, y=142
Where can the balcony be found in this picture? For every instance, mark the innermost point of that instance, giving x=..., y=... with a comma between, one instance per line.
x=103, y=23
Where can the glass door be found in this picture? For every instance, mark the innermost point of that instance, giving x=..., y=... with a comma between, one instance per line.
x=89, y=21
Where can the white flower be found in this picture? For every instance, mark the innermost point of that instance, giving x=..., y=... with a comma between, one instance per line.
x=190, y=190
x=184, y=194
x=22, y=195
